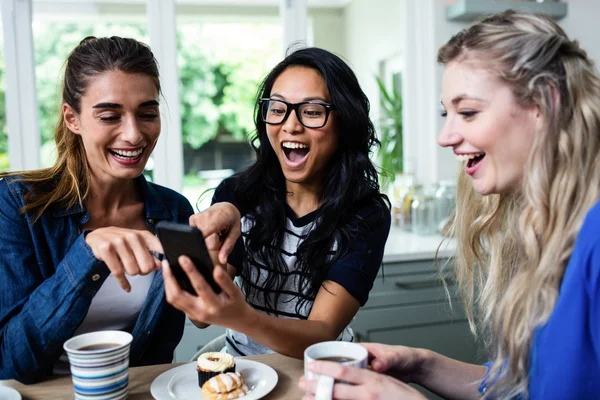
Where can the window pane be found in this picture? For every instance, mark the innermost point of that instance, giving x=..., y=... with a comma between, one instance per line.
x=54, y=36
x=220, y=70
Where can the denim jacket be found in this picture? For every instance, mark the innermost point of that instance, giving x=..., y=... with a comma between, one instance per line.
x=49, y=275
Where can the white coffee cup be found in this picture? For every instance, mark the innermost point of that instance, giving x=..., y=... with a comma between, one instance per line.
x=349, y=353
x=99, y=364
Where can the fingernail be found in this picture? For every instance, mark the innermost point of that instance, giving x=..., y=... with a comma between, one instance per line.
x=301, y=384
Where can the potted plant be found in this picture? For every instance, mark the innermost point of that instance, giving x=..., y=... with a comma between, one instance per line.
x=390, y=130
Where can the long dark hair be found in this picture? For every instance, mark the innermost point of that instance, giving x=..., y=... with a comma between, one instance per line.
x=349, y=182
x=66, y=183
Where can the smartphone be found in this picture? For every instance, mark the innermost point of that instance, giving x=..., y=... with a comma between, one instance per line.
x=185, y=240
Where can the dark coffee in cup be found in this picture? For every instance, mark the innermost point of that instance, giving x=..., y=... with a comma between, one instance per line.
x=339, y=359
x=99, y=346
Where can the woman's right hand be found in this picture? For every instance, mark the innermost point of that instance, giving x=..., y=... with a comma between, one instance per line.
x=125, y=251
x=221, y=226
x=403, y=363
x=359, y=384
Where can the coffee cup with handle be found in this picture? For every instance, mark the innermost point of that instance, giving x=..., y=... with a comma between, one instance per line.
x=347, y=353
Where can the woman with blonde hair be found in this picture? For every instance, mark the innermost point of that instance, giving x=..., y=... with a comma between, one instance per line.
x=522, y=110
x=77, y=239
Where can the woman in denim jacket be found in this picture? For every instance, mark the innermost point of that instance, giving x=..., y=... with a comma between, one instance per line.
x=76, y=239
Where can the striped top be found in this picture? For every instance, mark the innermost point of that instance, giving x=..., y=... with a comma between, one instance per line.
x=355, y=271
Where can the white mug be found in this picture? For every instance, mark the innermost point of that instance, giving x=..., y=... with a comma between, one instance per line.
x=351, y=354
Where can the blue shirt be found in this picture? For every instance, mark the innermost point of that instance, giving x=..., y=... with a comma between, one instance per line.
x=565, y=353
x=49, y=275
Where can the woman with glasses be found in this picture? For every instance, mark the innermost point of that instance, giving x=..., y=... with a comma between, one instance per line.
x=314, y=223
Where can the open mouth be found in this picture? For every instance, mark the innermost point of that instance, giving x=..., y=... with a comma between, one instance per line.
x=295, y=152
x=471, y=159
x=128, y=154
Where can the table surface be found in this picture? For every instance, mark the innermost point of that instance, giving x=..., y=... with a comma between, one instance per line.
x=288, y=370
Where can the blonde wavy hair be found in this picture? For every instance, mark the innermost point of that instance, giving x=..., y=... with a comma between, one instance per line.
x=66, y=183
x=513, y=248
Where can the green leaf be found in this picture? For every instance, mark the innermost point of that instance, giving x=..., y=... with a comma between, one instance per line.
x=390, y=132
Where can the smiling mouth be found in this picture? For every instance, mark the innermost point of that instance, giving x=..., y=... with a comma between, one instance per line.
x=471, y=159
x=295, y=152
x=128, y=154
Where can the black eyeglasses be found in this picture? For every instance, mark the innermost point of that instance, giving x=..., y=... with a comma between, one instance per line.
x=311, y=114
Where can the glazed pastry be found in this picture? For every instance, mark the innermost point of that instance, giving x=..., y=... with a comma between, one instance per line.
x=212, y=364
x=226, y=386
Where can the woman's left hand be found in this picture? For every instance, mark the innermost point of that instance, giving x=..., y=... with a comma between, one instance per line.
x=365, y=384
x=227, y=309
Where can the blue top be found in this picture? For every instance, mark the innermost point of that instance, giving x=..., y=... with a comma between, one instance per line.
x=46, y=283
x=565, y=354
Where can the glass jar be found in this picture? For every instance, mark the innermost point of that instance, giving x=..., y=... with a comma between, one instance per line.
x=397, y=193
x=424, y=213
x=405, y=217
x=445, y=201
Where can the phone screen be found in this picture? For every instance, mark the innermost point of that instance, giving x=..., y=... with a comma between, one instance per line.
x=180, y=239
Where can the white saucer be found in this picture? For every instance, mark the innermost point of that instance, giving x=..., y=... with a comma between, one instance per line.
x=8, y=393
x=181, y=383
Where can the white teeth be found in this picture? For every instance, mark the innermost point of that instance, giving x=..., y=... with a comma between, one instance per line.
x=294, y=145
x=467, y=157
x=131, y=154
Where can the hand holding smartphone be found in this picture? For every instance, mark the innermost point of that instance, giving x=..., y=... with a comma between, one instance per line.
x=185, y=240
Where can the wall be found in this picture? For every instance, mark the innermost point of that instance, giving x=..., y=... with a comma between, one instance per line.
x=328, y=29
x=581, y=23
x=433, y=163
x=372, y=33
x=446, y=160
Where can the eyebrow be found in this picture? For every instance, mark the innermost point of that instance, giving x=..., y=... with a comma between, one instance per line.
x=464, y=96
x=311, y=98
x=117, y=105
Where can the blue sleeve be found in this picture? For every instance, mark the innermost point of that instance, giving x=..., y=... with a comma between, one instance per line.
x=357, y=269
x=39, y=313
x=483, y=386
x=225, y=193
x=590, y=234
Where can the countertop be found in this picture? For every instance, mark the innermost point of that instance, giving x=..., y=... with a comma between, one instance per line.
x=406, y=246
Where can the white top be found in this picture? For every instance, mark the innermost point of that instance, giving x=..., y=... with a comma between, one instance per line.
x=112, y=308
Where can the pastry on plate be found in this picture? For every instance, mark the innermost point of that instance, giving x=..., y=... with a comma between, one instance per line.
x=230, y=385
x=212, y=364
